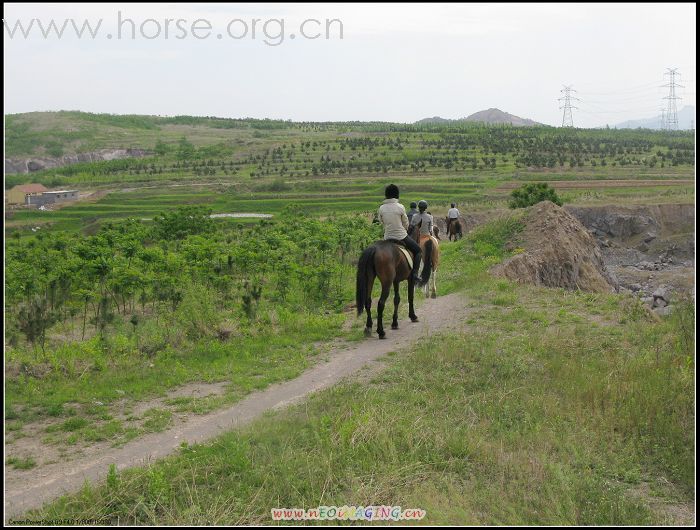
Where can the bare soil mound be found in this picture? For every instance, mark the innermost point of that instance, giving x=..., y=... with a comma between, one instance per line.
x=558, y=252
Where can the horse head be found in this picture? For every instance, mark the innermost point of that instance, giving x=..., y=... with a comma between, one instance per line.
x=415, y=231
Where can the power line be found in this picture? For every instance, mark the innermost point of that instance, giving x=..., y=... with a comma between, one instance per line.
x=629, y=90
x=594, y=108
x=568, y=118
x=623, y=99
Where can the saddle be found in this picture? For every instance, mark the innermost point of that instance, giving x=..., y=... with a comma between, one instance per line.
x=400, y=245
x=409, y=256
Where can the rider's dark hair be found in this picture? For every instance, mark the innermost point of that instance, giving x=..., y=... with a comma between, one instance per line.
x=453, y=205
x=391, y=191
x=413, y=205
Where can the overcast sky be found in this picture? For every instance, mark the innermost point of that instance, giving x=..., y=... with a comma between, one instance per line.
x=393, y=63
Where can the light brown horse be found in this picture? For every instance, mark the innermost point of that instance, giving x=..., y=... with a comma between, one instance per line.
x=385, y=261
x=430, y=250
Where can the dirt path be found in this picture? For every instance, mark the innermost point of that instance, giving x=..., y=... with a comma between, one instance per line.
x=601, y=183
x=32, y=488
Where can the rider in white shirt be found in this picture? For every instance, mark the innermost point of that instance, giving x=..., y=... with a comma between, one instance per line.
x=452, y=214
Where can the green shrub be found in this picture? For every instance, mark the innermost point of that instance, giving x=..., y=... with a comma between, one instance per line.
x=530, y=194
x=197, y=314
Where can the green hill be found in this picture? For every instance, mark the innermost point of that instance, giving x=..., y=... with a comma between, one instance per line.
x=260, y=166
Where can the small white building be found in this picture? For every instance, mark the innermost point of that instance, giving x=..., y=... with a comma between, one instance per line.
x=52, y=197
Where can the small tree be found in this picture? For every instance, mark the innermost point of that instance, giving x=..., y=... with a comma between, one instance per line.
x=185, y=149
x=161, y=147
x=530, y=194
x=183, y=222
x=34, y=318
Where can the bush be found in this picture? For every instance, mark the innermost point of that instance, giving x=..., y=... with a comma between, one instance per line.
x=197, y=314
x=530, y=194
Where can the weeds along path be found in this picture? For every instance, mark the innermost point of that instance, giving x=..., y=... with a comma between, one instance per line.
x=32, y=488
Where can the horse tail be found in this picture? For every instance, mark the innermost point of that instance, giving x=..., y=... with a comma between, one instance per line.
x=364, y=267
x=427, y=260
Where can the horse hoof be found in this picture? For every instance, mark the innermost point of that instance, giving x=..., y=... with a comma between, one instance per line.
x=433, y=295
x=368, y=332
x=414, y=319
x=394, y=326
x=382, y=335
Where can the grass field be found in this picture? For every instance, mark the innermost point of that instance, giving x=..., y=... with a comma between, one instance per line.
x=325, y=197
x=546, y=407
x=549, y=407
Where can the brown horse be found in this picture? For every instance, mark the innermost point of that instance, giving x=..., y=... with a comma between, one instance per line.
x=430, y=251
x=385, y=261
x=454, y=228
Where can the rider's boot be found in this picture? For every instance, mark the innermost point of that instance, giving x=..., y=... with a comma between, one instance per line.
x=414, y=273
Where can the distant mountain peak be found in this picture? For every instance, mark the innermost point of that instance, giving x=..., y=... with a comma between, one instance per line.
x=495, y=116
x=492, y=116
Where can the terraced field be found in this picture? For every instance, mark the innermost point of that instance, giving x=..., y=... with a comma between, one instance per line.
x=263, y=166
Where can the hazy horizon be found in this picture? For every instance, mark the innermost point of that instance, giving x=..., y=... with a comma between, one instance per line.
x=394, y=63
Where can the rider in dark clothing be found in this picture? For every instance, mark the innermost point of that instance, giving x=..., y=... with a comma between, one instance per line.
x=412, y=212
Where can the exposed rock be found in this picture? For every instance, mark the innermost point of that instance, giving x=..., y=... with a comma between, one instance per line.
x=662, y=296
x=659, y=302
x=663, y=310
x=29, y=165
x=616, y=224
x=644, y=221
x=559, y=252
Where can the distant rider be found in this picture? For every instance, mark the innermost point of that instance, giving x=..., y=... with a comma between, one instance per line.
x=452, y=215
x=424, y=219
x=412, y=212
x=392, y=215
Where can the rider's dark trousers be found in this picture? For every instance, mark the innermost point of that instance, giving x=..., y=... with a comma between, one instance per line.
x=415, y=250
x=411, y=245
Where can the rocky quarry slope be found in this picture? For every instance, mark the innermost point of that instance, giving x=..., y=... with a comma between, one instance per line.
x=29, y=165
x=649, y=248
x=558, y=251
x=645, y=250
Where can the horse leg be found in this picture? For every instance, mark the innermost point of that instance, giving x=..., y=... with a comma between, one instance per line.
x=368, y=306
x=426, y=289
x=433, y=285
x=397, y=299
x=386, y=287
x=411, y=312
